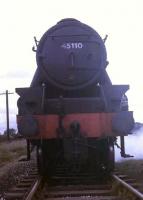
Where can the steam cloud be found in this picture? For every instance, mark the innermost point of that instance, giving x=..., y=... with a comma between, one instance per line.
x=133, y=145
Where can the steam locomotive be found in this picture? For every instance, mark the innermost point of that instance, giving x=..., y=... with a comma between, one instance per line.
x=71, y=111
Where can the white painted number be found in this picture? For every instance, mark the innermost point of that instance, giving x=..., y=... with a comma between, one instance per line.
x=72, y=45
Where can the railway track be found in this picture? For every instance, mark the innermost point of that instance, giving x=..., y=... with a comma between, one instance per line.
x=79, y=187
x=25, y=187
x=126, y=187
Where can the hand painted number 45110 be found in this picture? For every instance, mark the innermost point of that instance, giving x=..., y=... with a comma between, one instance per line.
x=72, y=45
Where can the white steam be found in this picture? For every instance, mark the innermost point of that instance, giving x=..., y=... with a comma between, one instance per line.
x=133, y=145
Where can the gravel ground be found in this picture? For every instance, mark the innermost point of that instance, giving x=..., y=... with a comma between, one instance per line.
x=12, y=173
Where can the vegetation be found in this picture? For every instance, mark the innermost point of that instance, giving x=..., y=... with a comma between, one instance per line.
x=131, y=167
x=13, y=134
x=10, y=151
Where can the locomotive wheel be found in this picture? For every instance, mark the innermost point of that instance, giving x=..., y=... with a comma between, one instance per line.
x=40, y=160
x=111, y=157
x=106, y=157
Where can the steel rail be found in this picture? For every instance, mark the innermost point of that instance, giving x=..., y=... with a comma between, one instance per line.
x=33, y=190
x=129, y=187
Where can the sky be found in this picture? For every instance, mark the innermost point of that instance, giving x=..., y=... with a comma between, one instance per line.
x=121, y=20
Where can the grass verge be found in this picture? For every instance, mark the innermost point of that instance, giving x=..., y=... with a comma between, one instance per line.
x=131, y=167
x=9, y=151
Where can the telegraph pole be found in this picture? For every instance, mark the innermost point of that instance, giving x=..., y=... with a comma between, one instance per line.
x=7, y=112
